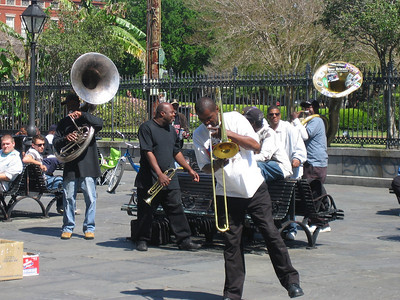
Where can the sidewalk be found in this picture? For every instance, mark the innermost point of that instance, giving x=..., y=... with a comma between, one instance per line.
x=359, y=259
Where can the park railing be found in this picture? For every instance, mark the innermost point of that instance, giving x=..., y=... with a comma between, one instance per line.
x=368, y=116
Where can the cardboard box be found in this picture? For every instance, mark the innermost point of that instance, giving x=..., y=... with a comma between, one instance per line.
x=30, y=264
x=11, y=259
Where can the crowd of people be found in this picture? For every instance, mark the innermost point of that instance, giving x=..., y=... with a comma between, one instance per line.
x=269, y=149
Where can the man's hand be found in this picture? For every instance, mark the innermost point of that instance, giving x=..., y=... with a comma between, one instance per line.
x=75, y=115
x=295, y=163
x=71, y=137
x=163, y=179
x=43, y=168
x=194, y=175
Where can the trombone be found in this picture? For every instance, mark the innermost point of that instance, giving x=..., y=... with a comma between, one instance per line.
x=223, y=150
x=157, y=187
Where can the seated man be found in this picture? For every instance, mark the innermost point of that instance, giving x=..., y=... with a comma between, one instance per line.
x=48, y=165
x=272, y=159
x=10, y=162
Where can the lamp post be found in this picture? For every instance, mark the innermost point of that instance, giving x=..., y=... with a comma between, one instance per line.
x=34, y=19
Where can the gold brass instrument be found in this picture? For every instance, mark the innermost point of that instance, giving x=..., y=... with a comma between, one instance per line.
x=95, y=79
x=157, y=187
x=337, y=79
x=223, y=150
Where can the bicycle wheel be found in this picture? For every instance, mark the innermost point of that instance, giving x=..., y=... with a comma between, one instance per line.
x=116, y=175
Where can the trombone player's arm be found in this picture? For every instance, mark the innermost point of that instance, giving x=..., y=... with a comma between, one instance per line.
x=246, y=142
x=180, y=159
x=163, y=179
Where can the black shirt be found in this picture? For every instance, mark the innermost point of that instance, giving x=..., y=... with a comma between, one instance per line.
x=163, y=142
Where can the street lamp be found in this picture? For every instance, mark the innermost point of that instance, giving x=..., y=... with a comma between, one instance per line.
x=34, y=19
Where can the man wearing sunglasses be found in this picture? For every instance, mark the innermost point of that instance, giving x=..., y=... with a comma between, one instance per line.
x=35, y=156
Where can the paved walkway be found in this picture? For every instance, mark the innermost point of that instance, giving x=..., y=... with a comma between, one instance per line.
x=359, y=259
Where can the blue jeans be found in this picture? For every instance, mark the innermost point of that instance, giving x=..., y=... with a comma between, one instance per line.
x=53, y=183
x=88, y=187
x=270, y=170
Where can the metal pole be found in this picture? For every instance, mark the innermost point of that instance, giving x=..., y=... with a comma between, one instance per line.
x=31, y=126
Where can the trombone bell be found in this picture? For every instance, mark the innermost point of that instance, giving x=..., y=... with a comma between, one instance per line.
x=225, y=150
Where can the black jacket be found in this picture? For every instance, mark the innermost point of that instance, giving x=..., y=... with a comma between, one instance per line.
x=87, y=164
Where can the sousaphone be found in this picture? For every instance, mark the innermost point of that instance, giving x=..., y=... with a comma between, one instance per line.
x=95, y=79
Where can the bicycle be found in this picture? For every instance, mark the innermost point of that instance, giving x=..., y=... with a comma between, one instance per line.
x=107, y=165
x=116, y=175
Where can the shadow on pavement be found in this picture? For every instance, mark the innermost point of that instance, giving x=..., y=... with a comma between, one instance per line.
x=158, y=294
x=50, y=231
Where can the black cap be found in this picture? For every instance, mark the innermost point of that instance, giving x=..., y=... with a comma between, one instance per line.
x=53, y=127
x=253, y=114
x=70, y=97
x=308, y=103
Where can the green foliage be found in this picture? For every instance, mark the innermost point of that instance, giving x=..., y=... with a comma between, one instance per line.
x=375, y=23
x=354, y=119
x=182, y=52
x=128, y=112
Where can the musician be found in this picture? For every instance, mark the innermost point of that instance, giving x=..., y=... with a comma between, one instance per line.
x=10, y=162
x=246, y=192
x=80, y=172
x=159, y=149
x=314, y=136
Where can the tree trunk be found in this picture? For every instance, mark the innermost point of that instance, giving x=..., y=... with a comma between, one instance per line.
x=334, y=109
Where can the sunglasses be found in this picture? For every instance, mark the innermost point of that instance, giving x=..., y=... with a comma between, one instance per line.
x=273, y=114
x=39, y=145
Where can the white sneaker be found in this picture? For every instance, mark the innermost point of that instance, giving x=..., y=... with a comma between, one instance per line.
x=291, y=235
x=311, y=228
x=326, y=228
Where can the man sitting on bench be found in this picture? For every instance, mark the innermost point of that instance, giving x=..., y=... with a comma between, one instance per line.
x=272, y=159
x=10, y=162
x=34, y=156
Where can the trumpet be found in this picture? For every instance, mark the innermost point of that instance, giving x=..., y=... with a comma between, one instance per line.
x=157, y=187
x=223, y=150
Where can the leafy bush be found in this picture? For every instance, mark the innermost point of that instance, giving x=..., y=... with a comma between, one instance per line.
x=352, y=118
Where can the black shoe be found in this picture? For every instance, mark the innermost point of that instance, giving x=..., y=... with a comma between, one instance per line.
x=141, y=246
x=294, y=290
x=226, y=298
x=188, y=245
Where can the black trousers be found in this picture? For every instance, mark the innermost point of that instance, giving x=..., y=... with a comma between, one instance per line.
x=396, y=187
x=260, y=209
x=311, y=172
x=171, y=203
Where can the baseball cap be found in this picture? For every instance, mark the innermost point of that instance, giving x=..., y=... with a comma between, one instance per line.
x=70, y=97
x=313, y=103
x=175, y=102
x=53, y=127
x=253, y=114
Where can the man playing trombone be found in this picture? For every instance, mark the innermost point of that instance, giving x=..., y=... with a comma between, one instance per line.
x=246, y=191
x=159, y=149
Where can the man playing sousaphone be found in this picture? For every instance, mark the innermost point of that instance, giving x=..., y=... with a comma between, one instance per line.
x=80, y=172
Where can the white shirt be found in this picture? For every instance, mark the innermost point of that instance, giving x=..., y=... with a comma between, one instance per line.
x=35, y=154
x=271, y=149
x=291, y=141
x=242, y=175
x=50, y=138
x=11, y=166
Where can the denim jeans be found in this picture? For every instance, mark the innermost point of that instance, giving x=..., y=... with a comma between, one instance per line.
x=270, y=170
x=88, y=187
x=53, y=183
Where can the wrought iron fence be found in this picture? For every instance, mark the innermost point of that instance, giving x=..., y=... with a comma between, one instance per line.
x=364, y=117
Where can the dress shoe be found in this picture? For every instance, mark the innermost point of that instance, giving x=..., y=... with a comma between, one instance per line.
x=89, y=235
x=65, y=235
x=188, y=245
x=141, y=246
x=294, y=290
